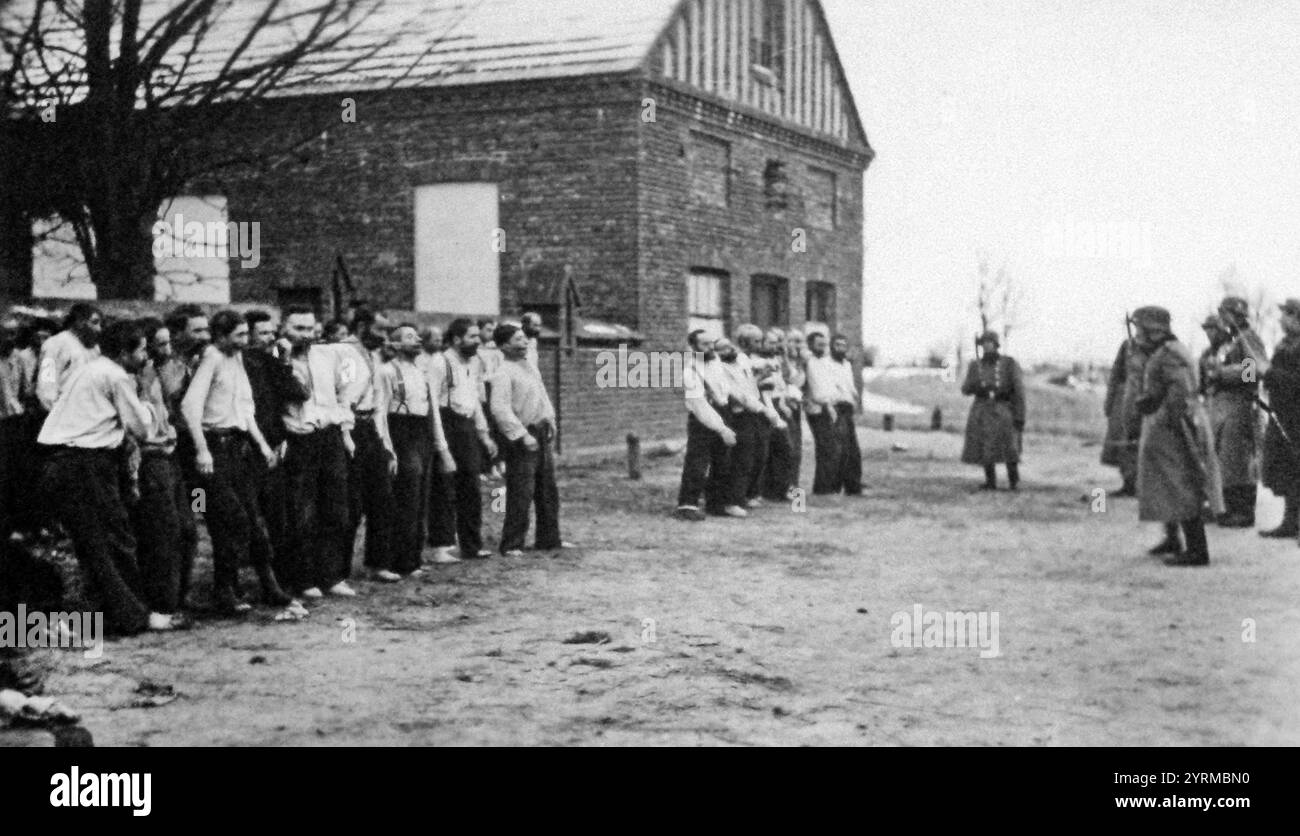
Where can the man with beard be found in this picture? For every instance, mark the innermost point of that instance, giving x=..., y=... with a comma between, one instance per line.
x=1232, y=375
x=1281, y=458
x=997, y=418
x=94, y=413
x=67, y=350
x=371, y=469
x=455, y=505
x=781, y=476
x=1178, y=474
x=274, y=388
x=531, y=324
x=218, y=409
x=1123, y=422
x=832, y=403
x=316, y=461
x=163, y=518
x=190, y=334
x=416, y=434
x=708, y=438
x=749, y=416
x=17, y=384
x=527, y=420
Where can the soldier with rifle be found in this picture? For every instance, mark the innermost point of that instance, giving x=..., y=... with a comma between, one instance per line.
x=1281, y=471
x=1123, y=422
x=1178, y=474
x=1231, y=383
x=997, y=418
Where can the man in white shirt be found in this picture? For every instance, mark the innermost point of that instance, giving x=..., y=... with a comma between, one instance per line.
x=708, y=438
x=752, y=417
x=85, y=430
x=220, y=414
x=416, y=436
x=66, y=350
x=832, y=403
x=455, y=507
x=17, y=382
x=316, y=464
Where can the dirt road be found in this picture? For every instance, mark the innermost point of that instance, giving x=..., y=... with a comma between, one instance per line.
x=773, y=630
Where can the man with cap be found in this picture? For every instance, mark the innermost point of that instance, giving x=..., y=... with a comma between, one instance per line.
x=1231, y=383
x=1124, y=423
x=1218, y=336
x=997, y=418
x=1281, y=471
x=1178, y=474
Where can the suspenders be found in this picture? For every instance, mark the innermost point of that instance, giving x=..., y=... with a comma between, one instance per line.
x=400, y=391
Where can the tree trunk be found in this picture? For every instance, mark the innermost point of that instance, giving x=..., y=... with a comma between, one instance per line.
x=123, y=266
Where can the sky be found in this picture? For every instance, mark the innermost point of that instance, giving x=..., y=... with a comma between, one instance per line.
x=1029, y=130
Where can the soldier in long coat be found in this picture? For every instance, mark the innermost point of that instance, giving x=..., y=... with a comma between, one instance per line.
x=997, y=418
x=1281, y=471
x=1178, y=474
x=1232, y=383
x=1123, y=422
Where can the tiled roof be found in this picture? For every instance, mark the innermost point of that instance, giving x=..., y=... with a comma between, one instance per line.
x=452, y=42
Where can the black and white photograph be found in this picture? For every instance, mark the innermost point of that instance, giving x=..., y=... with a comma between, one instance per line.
x=668, y=373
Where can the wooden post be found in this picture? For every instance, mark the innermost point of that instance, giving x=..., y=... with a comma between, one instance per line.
x=936, y=419
x=889, y=423
x=633, y=456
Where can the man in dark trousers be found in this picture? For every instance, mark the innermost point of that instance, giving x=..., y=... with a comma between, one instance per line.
x=833, y=401
x=997, y=418
x=274, y=388
x=526, y=418
x=218, y=408
x=1232, y=375
x=1178, y=474
x=748, y=416
x=316, y=461
x=85, y=430
x=1281, y=458
x=456, y=504
x=415, y=433
x=1123, y=422
x=708, y=438
x=165, y=527
x=371, y=469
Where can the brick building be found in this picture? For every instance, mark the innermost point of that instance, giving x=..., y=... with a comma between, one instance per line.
x=683, y=162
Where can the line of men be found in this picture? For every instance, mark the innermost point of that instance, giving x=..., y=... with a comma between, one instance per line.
x=746, y=401
x=1186, y=434
x=283, y=441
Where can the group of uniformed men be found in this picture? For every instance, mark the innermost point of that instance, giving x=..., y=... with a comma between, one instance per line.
x=746, y=401
x=284, y=441
x=1186, y=435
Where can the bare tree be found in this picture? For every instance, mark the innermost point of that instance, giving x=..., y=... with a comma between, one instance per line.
x=110, y=107
x=999, y=297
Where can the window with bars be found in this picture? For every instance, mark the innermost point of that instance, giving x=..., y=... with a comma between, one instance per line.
x=822, y=202
x=706, y=301
x=769, y=301
x=710, y=170
x=820, y=303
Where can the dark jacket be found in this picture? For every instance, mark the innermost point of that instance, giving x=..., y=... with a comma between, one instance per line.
x=274, y=388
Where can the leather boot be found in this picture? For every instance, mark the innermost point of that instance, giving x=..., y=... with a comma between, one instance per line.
x=226, y=602
x=1013, y=476
x=1290, y=526
x=272, y=594
x=1240, y=504
x=990, y=478
x=1171, y=544
x=1198, y=550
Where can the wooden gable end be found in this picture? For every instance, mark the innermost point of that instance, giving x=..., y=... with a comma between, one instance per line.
x=775, y=56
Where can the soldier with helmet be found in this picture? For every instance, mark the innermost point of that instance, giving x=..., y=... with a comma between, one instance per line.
x=1178, y=474
x=1231, y=383
x=997, y=418
x=1281, y=471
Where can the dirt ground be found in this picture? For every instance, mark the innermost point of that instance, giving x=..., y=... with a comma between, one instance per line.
x=772, y=630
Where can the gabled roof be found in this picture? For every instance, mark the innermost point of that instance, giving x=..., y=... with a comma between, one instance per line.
x=454, y=42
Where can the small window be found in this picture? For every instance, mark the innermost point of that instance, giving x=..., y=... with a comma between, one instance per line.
x=706, y=304
x=767, y=46
x=769, y=301
x=710, y=170
x=822, y=203
x=776, y=186
x=457, y=253
x=820, y=300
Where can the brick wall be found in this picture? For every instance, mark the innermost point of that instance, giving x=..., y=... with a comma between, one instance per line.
x=591, y=416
